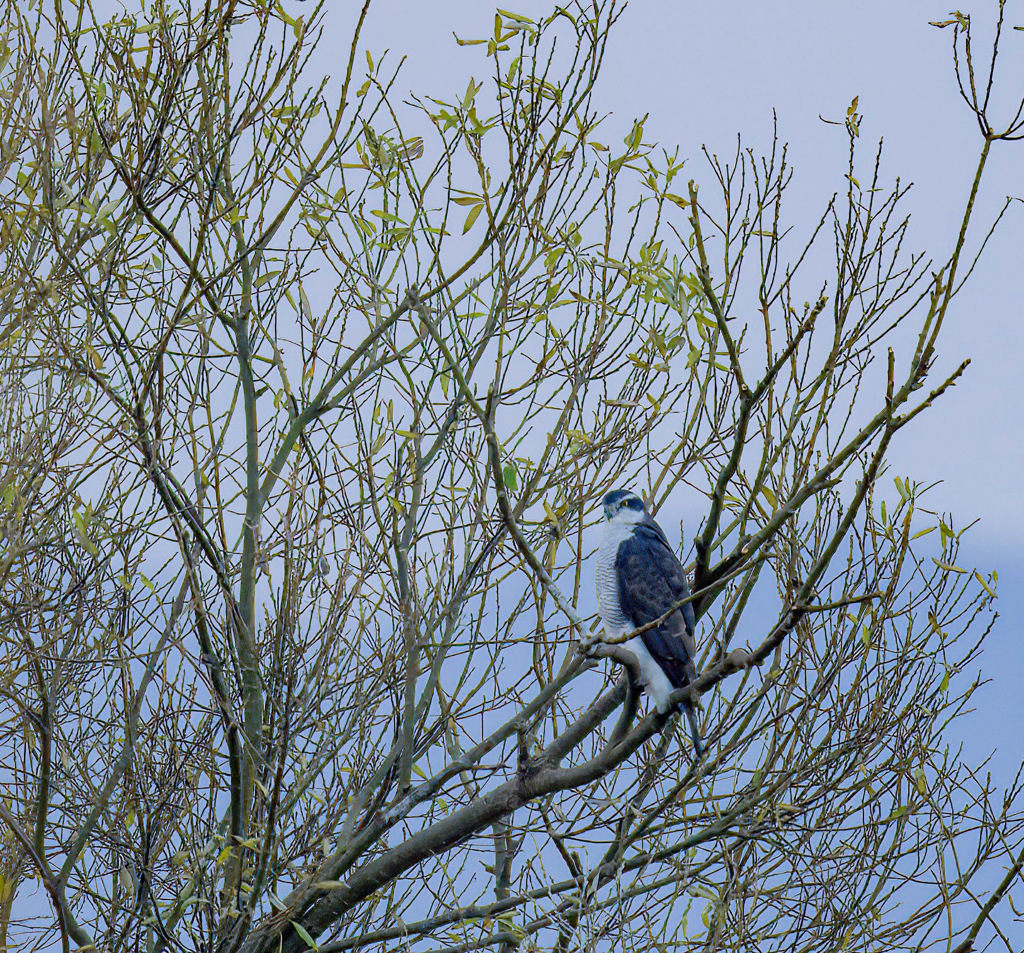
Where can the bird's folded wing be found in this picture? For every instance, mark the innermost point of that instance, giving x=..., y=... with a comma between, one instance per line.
x=651, y=580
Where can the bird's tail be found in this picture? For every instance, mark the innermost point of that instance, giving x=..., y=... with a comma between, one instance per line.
x=691, y=717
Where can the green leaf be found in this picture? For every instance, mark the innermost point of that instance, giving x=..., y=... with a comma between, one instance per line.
x=94, y=356
x=104, y=210
x=474, y=214
x=636, y=135
x=303, y=934
x=264, y=278
x=518, y=17
x=984, y=585
x=471, y=92
x=920, y=780
x=902, y=489
x=510, y=477
x=944, y=684
x=81, y=529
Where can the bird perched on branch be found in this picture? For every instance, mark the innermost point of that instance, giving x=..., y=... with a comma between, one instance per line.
x=639, y=580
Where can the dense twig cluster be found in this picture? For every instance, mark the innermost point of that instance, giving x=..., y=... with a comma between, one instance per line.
x=305, y=421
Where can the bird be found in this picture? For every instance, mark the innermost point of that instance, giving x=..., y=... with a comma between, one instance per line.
x=639, y=579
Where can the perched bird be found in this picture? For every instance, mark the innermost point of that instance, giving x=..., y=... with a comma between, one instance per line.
x=639, y=579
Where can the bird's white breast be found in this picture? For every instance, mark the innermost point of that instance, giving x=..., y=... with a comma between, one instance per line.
x=613, y=619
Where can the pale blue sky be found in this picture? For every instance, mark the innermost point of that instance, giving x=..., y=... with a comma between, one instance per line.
x=706, y=72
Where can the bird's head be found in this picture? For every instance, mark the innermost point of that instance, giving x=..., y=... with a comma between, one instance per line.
x=623, y=506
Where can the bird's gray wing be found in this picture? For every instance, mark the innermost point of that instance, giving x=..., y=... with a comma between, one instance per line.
x=651, y=580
